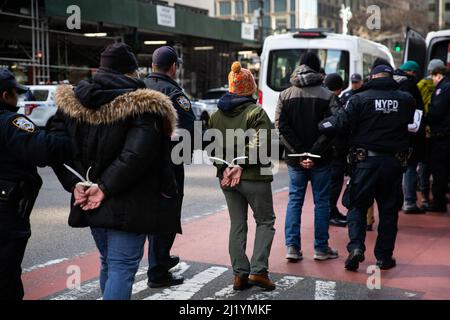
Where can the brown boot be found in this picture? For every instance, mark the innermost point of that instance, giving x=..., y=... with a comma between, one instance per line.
x=240, y=284
x=262, y=281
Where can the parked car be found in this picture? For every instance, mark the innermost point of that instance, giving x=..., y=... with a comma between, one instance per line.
x=38, y=104
x=205, y=107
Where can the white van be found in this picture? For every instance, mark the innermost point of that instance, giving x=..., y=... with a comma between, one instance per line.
x=340, y=54
x=422, y=50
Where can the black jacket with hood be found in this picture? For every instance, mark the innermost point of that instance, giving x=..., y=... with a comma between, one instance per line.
x=408, y=84
x=439, y=112
x=123, y=132
x=300, y=109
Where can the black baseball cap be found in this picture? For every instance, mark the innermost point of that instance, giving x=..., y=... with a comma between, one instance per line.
x=165, y=57
x=8, y=81
x=382, y=69
x=356, y=77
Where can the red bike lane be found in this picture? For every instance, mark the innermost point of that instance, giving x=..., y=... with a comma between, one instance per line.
x=422, y=253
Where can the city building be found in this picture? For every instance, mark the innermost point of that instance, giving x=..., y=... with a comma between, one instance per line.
x=438, y=14
x=47, y=45
x=283, y=15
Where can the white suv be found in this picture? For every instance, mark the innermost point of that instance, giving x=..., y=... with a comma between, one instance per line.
x=38, y=104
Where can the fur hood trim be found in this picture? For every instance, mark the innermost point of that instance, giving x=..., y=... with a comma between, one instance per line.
x=128, y=105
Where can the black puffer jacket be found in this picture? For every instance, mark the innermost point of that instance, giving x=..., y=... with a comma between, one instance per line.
x=300, y=109
x=439, y=113
x=408, y=84
x=126, y=140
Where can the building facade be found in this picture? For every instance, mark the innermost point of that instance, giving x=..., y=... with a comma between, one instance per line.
x=282, y=15
x=44, y=50
x=438, y=14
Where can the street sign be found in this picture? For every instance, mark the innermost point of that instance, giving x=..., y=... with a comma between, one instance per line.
x=248, y=31
x=166, y=16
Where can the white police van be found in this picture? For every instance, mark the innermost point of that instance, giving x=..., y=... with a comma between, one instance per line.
x=436, y=45
x=338, y=53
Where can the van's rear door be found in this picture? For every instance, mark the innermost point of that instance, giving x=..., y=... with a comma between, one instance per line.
x=415, y=48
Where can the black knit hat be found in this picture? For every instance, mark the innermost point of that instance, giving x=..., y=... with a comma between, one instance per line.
x=311, y=60
x=381, y=62
x=119, y=57
x=334, y=82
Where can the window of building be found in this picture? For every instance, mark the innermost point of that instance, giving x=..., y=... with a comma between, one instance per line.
x=293, y=21
x=225, y=8
x=252, y=6
x=281, y=23
x=239, y=7
x=280, y=6
x=293, y=9
x=266, y=6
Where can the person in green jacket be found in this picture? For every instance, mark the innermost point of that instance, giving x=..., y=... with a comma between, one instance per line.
x=248, y=183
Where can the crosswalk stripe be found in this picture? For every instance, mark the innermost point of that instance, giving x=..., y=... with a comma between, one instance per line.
x=225, y=293
x=178, y=270
x=190, y=287
x=325, y=290
x=282, y=285
x=88, y=288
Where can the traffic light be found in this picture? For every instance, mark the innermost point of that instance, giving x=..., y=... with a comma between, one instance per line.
x=398, y=47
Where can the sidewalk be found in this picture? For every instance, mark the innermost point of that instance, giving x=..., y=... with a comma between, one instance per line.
x=422, y=250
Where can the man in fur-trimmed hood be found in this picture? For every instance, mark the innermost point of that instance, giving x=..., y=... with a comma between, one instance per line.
x=120, y=133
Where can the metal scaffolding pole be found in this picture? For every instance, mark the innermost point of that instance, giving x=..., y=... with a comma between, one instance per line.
x=33, y=40
x=40, y=45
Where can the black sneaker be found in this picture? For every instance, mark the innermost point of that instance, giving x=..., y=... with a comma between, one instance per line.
x=169, y=282
x=387, y=264
x=354, y=259
x=174, y=260
x=414, y=209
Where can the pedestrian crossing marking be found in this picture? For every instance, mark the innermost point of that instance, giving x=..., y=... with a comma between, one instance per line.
x=325, y=290
x=225, y=293
x=178, y=270
x=190, y=287
x=88, y=288
x=212, y=283
x=283, y=284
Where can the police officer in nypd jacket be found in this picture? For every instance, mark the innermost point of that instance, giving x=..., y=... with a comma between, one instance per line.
x=377, y=121
x=23, y=147
x=165, y=64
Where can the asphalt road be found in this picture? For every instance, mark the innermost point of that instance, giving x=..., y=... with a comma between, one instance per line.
x=53, y=239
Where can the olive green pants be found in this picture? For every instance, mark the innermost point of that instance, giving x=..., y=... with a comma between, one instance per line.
x=259, y=196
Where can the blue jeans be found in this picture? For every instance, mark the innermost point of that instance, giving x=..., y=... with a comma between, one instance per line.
x=320, y=180
x=424, y=175
x=120, y=255
x=410, y=185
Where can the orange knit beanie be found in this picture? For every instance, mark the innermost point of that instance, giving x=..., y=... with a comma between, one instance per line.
x=241, y=81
